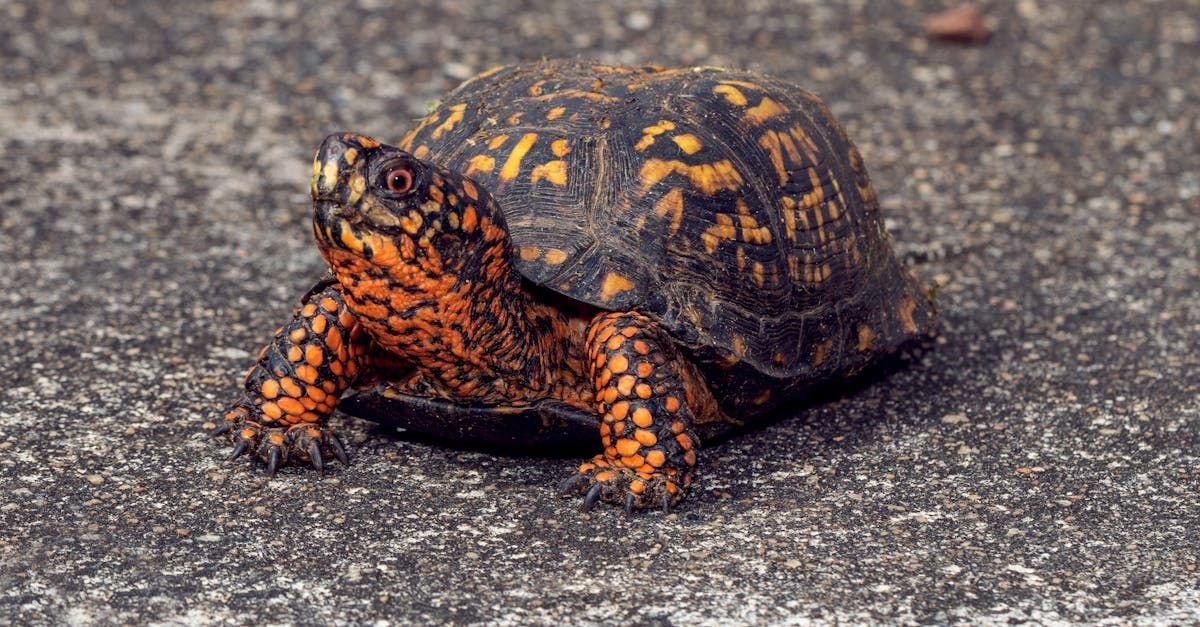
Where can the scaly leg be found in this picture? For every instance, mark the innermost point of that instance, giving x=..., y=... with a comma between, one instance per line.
x=649, y=456
x=296, y=384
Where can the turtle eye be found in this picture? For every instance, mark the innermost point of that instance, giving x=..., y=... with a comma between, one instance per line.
x=399, y=180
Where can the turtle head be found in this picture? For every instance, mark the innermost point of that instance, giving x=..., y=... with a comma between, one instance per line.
x=379, y=204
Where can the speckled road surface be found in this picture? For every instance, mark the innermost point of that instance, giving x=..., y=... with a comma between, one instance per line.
x=1041, y=462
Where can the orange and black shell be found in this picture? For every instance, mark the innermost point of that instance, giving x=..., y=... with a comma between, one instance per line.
x=728, y=206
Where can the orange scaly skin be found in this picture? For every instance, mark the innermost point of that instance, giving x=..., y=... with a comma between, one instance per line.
x=649, y=456
x=296, y=383
x=438, y=290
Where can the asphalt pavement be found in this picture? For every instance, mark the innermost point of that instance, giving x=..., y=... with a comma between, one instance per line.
x=1038, y=463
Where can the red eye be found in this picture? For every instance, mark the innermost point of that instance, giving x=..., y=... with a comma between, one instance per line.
x=399, y=180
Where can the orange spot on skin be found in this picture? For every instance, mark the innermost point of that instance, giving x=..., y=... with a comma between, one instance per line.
x=512, y=166
x=469, y=219
x=270, y=389
x=620, y=410
x=709, y=178
x=642, y=417
x=614, y=283
x=618, y=364
x=553, y=171
x=308, y=310
x=615, y=342
x=689, y=458
x=643, y=390
x=469, y=188
x=656, y=458
x=762, y=398
x=677, y=426
x=314, y=355
x=637, y=486
x=319, y=323
x=627, y=447
x=291, y=406
x=684, y=441
x=672, y=403
x=333, y=340
x=645, y=438
x=316, y=393
x=633, y=461
x=294, y=354
x=289, y=386
x=297, y=335
x=271, y=410
x=328, y=304
x=625, y=384
x=610, y=394
x=644, y=369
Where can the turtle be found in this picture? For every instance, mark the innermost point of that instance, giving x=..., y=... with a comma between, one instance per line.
x=562, y=251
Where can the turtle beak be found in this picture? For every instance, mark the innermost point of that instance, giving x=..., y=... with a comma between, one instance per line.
x=338, y=172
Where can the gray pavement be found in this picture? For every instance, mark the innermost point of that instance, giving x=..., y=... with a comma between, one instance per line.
x=1040, y=463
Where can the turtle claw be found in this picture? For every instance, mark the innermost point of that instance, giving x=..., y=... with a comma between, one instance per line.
x=221, y=429
x=338, y=450
x=238, y=450
x=273, y=459
x=569, y=486
x=629, y=504
x=591, y=498
x=314, y=454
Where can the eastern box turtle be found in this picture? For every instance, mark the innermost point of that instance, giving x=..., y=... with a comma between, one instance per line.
x=564, y=248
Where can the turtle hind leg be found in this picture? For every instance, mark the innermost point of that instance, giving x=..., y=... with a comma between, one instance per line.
x=295, y=384
x=649, y=456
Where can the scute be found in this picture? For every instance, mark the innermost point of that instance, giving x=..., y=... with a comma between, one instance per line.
x=729, y=206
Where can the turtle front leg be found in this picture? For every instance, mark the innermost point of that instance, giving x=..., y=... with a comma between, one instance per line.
x=296, y=383
x=649, y=456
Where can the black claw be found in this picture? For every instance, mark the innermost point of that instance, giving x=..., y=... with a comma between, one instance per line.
x=221, y=429
x=241, y=447
x=338, y=451
x=568, y=485
x=629, y=504
x=666, y=502
x=273, y=459
x=592, y=496
x=314, y=453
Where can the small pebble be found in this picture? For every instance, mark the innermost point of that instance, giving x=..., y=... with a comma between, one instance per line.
x=963, y=23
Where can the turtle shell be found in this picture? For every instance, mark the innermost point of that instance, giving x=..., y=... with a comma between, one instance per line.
x=729, y=206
